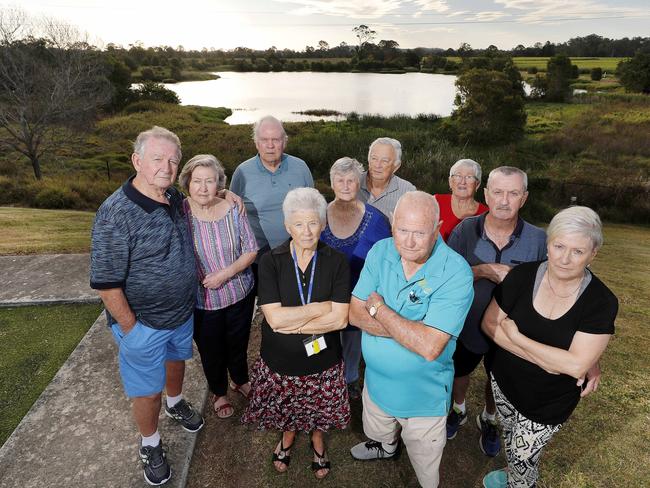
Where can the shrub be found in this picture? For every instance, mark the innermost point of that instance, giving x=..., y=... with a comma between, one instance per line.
x=53, y=197
x=155, y=91
x=489, y=108
x=635, y=73
x=596, y=74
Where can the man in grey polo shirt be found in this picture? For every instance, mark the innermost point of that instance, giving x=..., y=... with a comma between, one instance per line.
x=380, y=187
x=142, y=264
x=265, y=179
x=492, y=244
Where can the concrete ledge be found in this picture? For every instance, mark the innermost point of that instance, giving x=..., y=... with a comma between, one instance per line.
x=80, y=433
x=45, y=279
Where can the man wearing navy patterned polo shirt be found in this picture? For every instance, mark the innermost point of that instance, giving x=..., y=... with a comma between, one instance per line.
x=142, y=264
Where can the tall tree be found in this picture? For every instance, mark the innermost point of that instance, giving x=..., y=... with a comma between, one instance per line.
x=51, y=84
x=365, y=35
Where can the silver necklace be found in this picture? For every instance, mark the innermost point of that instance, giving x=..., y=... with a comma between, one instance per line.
x=548, y=278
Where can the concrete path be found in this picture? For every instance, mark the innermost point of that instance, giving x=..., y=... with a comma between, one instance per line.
x=45, y=278
x=80, y=433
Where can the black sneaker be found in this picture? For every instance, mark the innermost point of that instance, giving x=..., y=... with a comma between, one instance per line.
x=454, y=420
x=367, y=451
x=489, y=441
x=186, y=415
x=156, y=468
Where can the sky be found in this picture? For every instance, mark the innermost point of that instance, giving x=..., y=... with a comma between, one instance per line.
x=294, y=24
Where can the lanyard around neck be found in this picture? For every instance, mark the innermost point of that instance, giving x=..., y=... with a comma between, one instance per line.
x=311, y=278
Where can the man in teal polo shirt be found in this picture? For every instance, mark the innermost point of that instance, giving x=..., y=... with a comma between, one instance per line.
x=410, y=301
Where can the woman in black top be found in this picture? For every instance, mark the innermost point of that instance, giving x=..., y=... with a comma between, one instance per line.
x=304, y=293
x=551, y=322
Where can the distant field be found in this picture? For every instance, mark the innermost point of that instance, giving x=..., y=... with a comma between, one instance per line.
x=607, y=64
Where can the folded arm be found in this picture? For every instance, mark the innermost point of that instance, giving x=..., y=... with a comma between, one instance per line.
x=335, y=319
x=577, y=361
x=290, y=319
x=360, y=317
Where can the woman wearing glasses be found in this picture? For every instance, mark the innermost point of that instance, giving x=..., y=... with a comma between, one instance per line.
x=464, y=180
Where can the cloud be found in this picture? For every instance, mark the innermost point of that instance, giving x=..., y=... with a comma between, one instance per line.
x=535, y=11
x=357, y=8
x=432, y=5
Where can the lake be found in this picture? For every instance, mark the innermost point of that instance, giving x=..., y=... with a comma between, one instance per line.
x=253, y=95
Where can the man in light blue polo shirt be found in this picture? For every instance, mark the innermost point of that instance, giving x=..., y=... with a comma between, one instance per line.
x=410, y=301
x=265, y=179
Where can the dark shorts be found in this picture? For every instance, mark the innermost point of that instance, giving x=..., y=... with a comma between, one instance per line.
x=466, y=361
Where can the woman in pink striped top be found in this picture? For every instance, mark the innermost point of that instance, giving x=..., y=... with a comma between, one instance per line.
x=225, y=247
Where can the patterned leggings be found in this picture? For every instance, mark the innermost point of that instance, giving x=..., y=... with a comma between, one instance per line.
x=524, y=441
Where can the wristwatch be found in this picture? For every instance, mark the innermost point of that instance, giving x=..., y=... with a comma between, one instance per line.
x=374, y=309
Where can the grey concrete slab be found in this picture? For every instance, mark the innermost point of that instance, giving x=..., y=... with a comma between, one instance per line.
x=45, y=279
x=80, y=433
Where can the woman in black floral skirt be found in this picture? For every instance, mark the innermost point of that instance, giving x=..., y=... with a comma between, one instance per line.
x=298, y=384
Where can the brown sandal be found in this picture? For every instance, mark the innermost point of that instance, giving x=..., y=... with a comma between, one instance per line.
x=219, y=410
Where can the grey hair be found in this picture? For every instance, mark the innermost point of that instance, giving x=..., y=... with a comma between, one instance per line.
x=305, y=199
x=394, y=143
x=345, y=165
x=156, y=133
x=580, y=220
x=424, y=199
x=205, y=161
x=467, y=163
x=507, y=171
x=268, y=119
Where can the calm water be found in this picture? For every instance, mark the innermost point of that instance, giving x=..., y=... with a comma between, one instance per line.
x=253, y=95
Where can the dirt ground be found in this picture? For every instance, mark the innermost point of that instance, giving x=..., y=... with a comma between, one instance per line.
x=229, y=454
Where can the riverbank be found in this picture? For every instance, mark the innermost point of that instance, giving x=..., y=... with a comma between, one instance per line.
x=589, y=149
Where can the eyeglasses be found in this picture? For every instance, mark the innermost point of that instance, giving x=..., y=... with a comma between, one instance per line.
x=458, y=178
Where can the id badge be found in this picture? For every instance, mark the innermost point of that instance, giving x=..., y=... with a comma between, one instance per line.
x=314, y=344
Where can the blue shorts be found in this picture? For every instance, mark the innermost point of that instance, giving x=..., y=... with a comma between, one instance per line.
x=144, y=351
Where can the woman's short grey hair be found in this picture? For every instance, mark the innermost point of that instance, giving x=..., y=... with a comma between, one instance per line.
x=306, y=200
x=345, y=165
x=205, y=161
x=467, y=163
x=155, y=133
x=394, y=143
x=507, y=171
x=268, y=119
x=577, y=220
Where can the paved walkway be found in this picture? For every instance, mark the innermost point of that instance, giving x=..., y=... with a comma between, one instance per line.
x=45, y=278
x=80, y=433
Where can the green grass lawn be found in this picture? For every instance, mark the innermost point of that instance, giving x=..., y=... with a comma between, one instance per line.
x=32, y=231
x=34, y=343
x=606, y=63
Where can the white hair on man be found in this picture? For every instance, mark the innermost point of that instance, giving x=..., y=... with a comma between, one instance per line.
x=420, y=200
x=507, y=171
x=388, y=141
x=155, y=133
x=268, y=119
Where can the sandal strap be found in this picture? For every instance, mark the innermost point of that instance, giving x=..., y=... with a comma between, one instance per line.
x=282, y=455
x=322, y=463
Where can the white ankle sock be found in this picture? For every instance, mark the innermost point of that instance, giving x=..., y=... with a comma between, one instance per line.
x=153, y=440
x=460, y=407
x=489, y=417
x=173, y=400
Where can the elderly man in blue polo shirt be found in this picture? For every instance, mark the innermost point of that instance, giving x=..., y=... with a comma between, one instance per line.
x=265, y=179
x=492, y=244
x=142, y=263
x=410, y=301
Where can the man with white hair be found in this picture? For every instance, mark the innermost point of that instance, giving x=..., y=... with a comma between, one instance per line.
x=380, y=187
x=410, y=301
x=265, y=179
x=142, y=264
x=492, y=243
